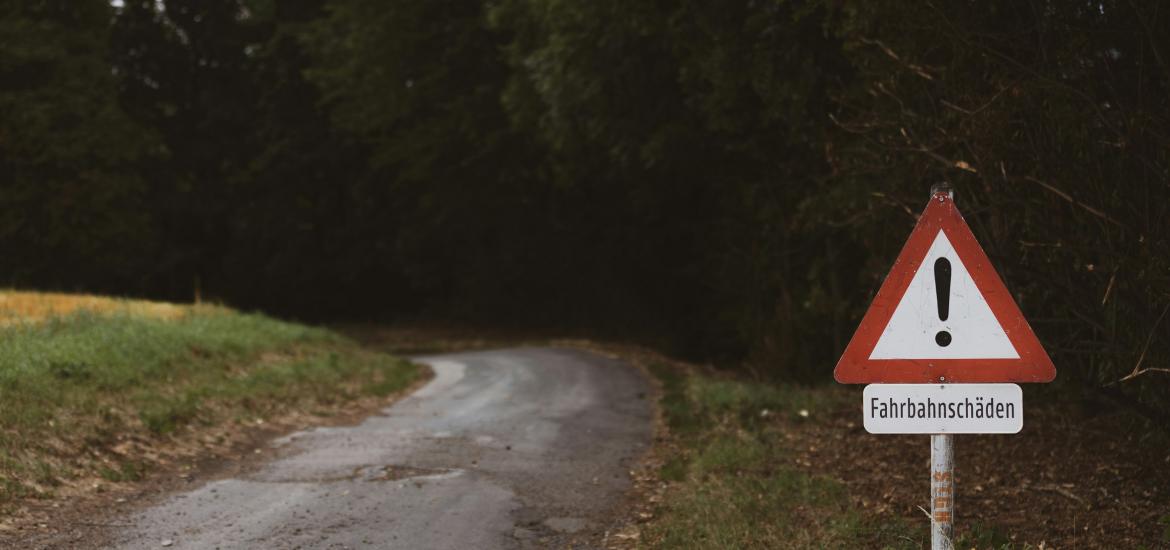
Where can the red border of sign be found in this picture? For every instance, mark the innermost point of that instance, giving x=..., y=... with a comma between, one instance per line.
x=855, y=366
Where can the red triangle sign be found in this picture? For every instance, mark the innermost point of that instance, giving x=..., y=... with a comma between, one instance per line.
x=952, y=321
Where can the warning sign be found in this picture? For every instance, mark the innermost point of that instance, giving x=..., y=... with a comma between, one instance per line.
x=943, y=315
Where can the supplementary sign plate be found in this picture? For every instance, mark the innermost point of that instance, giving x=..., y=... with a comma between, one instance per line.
x=943, y=408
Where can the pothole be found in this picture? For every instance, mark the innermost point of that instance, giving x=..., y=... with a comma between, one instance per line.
x=395, y=472
x=565, y=525
x=390, y=472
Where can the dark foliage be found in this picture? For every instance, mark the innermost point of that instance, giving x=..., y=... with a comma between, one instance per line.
x=728, y=180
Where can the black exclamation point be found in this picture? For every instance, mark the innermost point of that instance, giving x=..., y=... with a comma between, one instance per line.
x=942, y=291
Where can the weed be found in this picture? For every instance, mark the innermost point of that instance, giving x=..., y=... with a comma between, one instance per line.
x=45, y=474
x=125, y=471
x=12, y=489
x=675, y=469
x=69, y=370
x=983, y=536
x=162, y=415
x=676, y=407
x=394, y=380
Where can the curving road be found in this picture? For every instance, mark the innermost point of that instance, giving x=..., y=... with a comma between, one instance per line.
x=520, y=448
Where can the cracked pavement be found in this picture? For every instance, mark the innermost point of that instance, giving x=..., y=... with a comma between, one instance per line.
x=518, y=448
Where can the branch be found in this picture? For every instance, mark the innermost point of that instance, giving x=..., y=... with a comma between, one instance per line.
x=1069, y=198
x=1109, y=287
x=916, y=68
x=1137, y=370
x=1061, y=490
x=1136, y=374
x=977, y=110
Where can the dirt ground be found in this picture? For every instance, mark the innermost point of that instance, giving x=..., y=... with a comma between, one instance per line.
x=1068, y=480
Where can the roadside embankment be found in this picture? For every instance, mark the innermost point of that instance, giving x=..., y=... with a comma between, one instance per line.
x=96, y=392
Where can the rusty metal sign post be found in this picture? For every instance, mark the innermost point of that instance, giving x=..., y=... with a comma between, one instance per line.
x=941, y=347
x=942, y=491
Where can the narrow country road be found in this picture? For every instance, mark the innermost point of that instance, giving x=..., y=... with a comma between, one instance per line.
x=520, y=448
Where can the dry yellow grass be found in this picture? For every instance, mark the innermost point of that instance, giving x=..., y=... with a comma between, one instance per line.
x=17, y=306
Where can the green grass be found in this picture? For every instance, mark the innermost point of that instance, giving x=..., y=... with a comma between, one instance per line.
x=72, y=386
x=125, y=471
x=733, y=480
x=732, y=483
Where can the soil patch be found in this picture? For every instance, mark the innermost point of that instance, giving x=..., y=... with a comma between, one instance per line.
x=1068, y=480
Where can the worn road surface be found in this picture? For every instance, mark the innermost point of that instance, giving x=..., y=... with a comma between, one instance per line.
x=520, y=448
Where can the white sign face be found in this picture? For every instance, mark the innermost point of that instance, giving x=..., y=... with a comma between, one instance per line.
x=943, y=315
x=943, y=408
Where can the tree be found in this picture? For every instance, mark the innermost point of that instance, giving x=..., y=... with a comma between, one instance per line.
x=72, y=205
x=417, y=83
x=185, y=72
x=686, y=136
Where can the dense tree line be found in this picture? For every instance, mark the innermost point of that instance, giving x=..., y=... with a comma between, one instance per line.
x=730, y=180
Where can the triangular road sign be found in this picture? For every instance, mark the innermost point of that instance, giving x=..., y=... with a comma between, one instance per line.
x=943, y=315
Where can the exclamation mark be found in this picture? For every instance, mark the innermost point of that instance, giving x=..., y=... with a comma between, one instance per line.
x=942, y=290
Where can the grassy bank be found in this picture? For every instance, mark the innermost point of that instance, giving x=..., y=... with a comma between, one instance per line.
x=81, y=377
x=735, y=480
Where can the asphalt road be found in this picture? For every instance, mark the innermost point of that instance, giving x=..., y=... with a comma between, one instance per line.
x=520, y=448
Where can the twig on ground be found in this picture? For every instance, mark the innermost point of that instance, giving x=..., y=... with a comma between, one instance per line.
x=1137, y=370
x=1065, y=492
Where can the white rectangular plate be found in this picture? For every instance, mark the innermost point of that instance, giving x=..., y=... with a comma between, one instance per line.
x=943, y=408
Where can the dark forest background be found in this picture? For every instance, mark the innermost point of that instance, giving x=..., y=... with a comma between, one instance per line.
x=727, y=180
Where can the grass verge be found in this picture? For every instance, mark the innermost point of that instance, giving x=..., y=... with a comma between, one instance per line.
x=81, y=391
x=733, y=479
